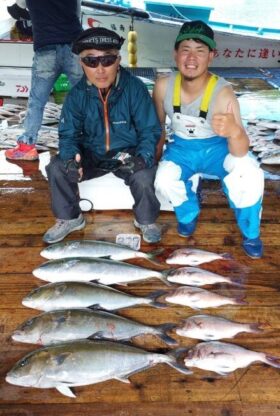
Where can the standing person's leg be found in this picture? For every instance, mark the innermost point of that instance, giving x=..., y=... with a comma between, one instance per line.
x=44, y=74
x=146, y=205
x=70, y=64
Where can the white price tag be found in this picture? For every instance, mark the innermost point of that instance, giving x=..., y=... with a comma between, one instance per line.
x=131, y=240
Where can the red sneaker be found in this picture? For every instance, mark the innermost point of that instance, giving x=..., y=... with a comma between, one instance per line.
x=22, y=151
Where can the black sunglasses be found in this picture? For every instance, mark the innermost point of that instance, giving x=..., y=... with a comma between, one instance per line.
x=104, y=60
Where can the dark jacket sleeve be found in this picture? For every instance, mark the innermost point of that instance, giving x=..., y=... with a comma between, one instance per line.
x=70, y=128
x=145, y=120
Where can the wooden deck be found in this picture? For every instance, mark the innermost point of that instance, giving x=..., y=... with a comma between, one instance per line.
x=255, y=391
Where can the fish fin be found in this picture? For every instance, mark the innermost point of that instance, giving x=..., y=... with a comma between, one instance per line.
x=154, y=296
x=123, y=379
x=60, y=358
x=97, y=335
x=95, y=306
x=65, y=390
x=162, y=333
x=272, y=360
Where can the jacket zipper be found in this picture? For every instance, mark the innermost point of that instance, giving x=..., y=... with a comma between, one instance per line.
x=106, y=118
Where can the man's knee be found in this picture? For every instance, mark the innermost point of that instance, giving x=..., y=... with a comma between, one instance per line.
x=167, y=174
x=56, y=167
x=143, y=178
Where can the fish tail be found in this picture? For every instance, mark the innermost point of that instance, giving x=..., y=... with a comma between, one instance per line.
x=153, y=299
x=162, y=329
x=272, y=360
x=152, y=254
x=164, y=277
x=234, y=266
x=255, y=328
x=240, y=300
x=237, y=281
x=169, y=272
x=177, y=362
x=227, y=256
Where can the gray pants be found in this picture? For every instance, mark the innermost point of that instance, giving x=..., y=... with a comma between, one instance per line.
x=65, y=194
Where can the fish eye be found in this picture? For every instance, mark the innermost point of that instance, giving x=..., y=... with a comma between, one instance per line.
x=23, y=362
x=28, y=323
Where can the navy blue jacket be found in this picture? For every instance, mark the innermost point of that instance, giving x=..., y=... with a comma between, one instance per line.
x=54, y=21
x=132, y=117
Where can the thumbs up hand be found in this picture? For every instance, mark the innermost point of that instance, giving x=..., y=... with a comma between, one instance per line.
x=224, y=124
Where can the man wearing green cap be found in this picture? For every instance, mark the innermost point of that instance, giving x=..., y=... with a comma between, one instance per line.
x=207, y=138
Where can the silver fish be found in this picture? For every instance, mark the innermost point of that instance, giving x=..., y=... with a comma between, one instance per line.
x=193, y=276
x=271, y=159
x=197, y=298
x=64, y=295
x=223, y=358
x=107, y=272
x=92, y=248
x=72, y=324
x=208, y=328
x=81, y=363
x=194, y=257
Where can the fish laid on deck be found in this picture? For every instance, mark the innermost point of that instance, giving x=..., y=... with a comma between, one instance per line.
x=81, y=363
x=194, y=257
x=73, y=324
x=209, y=327
x=223, y=358
x=197, y=298
x=93, y=248
x=194, y=276
x=64, y=295
x=107, y=272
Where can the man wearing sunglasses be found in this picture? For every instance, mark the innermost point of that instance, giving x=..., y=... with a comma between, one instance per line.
x=108, y=124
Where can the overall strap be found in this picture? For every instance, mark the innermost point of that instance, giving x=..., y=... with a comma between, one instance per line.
x=205, y=99
x=207, y=96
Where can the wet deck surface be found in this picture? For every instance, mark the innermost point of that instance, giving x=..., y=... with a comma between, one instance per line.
x=25, y=216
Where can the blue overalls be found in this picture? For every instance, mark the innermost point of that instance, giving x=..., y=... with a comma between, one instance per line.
x=195, y=149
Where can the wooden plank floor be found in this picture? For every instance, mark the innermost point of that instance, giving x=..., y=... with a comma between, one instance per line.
x=25, y=215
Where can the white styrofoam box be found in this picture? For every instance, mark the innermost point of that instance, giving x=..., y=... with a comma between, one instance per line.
x=110, y=192
x=15, y=82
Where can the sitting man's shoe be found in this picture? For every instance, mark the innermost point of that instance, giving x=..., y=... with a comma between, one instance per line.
x=22, y=151
x=151, y=232
x=185, y=230
x=253, y=247
x=62, y=228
